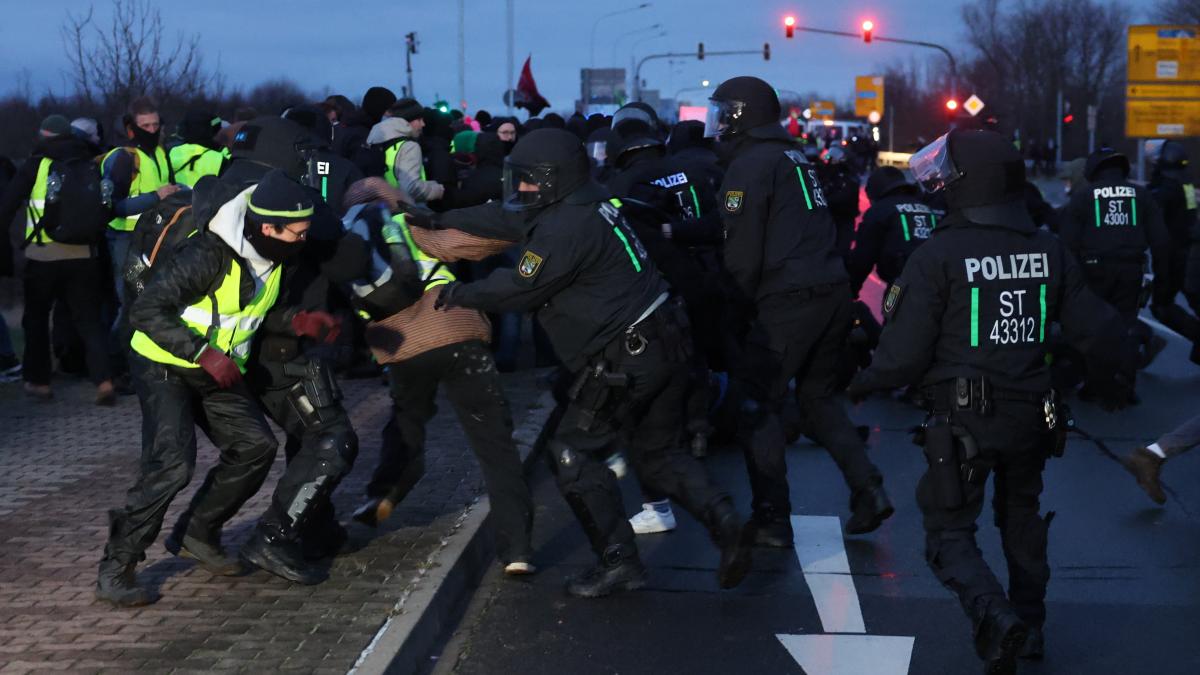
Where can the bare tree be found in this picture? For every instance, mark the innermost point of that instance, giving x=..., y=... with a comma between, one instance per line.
x=131, y=56
x=1178, y=11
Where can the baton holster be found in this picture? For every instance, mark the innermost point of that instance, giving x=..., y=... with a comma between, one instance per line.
x=592, y=390
x=945, y=472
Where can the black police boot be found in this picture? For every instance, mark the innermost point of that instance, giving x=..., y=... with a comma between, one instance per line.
x=773, y=531
x=209, y=555
x=324, y=540
x=735, y=537
x=271, y=550
x=999, y=637
x=1034, y=648
x=1146, y=467
x=871, y=508
x=619, y=569
x=116, y=584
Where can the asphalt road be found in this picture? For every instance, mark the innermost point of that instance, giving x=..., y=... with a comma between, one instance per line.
x=1124, y=597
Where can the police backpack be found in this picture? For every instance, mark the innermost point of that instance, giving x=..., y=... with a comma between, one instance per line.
x=79, y=203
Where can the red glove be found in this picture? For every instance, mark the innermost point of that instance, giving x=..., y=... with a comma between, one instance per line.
x=317, y=325
x=220, y=367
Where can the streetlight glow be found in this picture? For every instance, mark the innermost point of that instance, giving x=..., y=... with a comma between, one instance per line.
x=868, y=25
x=703, y=83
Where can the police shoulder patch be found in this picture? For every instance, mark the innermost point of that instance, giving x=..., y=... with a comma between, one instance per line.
x=530, y=265
x=892, y=300
x=733, y=200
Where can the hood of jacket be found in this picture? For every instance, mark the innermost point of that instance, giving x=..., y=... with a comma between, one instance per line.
x=228, y=224
x=390, y=129
x=63, y=147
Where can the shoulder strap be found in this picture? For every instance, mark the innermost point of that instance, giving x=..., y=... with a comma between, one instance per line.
x=162, y=236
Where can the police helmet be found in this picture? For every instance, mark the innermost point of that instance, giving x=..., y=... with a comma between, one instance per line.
x=1105, y=158
x=981, y=174
x=553, y=160
x=885, y=180
x=741, y=104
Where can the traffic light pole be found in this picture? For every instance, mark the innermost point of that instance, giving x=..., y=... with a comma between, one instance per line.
x=915, y=43
x=637, y=72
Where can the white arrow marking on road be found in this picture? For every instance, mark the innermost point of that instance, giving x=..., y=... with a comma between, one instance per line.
x=822, y=555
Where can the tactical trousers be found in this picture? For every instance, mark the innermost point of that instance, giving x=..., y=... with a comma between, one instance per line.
x=802, y=338
x=1120, y=285
x=1013, y=445
x=320, y=448
x=1165, y=308
x=76, y=284
x=472, y=384
x=635, y=402
x=174, y=401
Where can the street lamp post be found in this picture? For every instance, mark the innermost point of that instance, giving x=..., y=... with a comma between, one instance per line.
x=637, y=31
x=915, y=43
x=595, y=25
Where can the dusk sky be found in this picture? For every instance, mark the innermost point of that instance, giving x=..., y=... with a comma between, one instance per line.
x=348, y=45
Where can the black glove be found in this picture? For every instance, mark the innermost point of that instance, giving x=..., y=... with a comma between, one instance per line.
x=416, y=216
x=445, y=298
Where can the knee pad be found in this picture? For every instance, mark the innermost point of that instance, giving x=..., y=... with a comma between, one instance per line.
x=338, y=447
x=565, y=462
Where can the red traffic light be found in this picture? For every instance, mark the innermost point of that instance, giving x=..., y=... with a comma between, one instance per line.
x=1067, y=119
x=789, y=26
x=867, y=26
x=951, y=104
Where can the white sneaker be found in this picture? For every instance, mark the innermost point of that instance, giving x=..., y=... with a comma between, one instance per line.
x=650, y=521
x=519, y=568
x=616, y=464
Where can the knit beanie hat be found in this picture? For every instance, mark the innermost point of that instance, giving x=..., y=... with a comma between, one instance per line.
x=279, y=200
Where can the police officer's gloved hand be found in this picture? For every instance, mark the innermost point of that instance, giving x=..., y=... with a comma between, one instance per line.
x=445, y=298
x=220, y=367
x=321, y=326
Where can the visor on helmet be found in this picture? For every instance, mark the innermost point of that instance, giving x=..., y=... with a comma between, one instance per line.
x=542, y=176
x=933, y=167
x=723, y=117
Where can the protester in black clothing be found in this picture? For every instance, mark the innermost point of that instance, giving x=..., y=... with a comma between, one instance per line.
x=326, y=171
x=606, y=309
x=485, y=182
x=1171, y=184
x=780, y=248
x=839, y=182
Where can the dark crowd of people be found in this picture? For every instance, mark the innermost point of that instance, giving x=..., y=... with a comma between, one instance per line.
x=696, y=285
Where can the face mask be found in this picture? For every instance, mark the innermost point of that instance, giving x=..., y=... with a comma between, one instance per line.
x=145, y=139
x=275, y=250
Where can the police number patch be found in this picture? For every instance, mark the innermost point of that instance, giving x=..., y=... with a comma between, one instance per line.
x=531, y=264
x=892, y=299
x=733, y=201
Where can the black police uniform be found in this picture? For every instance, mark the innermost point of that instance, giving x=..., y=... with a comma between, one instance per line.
x=668, y=191
x=968, y=320
x=1109, y=226
x=1175, y=193
x=896, y=224
x=780, y=249
x=605, y=308
x=840, y=185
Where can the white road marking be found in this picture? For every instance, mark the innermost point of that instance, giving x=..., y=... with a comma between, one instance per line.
x=822, y=555
x=850, y=654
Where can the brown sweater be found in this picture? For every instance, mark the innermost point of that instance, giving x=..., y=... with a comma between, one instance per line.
x=419, y=327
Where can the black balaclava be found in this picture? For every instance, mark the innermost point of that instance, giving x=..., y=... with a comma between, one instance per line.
x=277, y=200
x=145, y=141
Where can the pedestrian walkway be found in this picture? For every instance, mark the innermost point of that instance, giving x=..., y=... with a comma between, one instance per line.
x=64, y=463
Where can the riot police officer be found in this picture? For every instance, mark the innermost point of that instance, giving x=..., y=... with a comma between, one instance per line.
x=968, y=320
x=897, y=222
x=839, y=182
x=780, y=249
x=1171, y=184
x=607, y=312
x=1108, y=227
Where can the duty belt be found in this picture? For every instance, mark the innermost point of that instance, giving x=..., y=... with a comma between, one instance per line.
x=974, y=393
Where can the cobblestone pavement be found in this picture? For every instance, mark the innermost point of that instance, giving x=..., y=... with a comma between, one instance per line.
x=65, y=462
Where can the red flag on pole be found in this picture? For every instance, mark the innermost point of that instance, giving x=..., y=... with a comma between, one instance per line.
x=527, y=95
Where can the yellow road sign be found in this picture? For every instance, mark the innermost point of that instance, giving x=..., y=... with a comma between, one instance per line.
x=868, y=95
x=1164, y=53
x=1163, y=91
x=823, y=110
x=1157, y=119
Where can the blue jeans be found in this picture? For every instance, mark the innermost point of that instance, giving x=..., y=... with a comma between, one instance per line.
x=118, y=248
